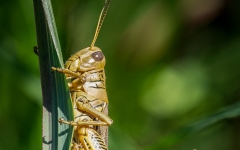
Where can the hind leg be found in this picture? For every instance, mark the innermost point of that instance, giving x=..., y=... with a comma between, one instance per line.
x=90, y=105
x=90, y=139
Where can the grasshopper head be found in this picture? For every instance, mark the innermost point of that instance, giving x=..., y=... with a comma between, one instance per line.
x=91, y=58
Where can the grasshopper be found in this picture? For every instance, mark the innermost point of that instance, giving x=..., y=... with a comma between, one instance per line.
x=85, y=72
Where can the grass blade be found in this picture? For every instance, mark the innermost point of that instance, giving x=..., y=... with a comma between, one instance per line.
x=56, y=97
x=166, y=142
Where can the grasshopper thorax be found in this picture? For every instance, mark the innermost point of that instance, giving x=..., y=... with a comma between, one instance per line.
x=87, y=59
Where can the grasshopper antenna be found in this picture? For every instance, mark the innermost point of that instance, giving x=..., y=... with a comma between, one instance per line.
x=100, y=21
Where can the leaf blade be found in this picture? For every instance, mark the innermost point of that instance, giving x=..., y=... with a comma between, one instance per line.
x=229, y=112
x=56, y=97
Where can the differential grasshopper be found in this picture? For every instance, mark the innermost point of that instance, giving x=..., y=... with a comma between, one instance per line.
x=85, y=72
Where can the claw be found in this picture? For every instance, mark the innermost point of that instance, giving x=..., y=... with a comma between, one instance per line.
x=35, y=50
x=61, y=120
x=54, y=68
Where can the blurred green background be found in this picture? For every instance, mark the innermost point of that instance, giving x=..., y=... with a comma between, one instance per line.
x=170, y=65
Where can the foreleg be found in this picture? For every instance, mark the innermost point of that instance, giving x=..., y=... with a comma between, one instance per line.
x=67, y=71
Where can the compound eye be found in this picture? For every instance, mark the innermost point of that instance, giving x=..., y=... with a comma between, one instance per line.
x=97, y=56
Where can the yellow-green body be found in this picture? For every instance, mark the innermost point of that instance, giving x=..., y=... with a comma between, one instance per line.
x=85, y=72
